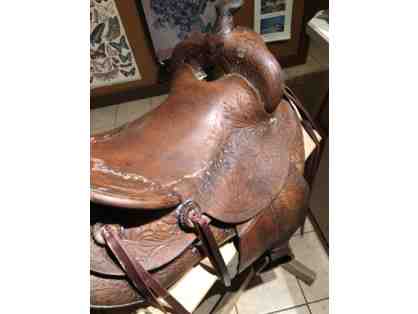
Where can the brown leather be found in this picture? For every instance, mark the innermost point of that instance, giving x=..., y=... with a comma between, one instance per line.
x=280, y=220
x=201, y=224
x=143, y=281
x=233, y=147
x=197, y=156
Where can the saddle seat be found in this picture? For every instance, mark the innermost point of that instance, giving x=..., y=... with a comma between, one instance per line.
x=210, y=141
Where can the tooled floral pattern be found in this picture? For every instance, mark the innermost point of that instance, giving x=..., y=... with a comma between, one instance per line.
x=146, y=242
x=160, y=230
x=161, y=234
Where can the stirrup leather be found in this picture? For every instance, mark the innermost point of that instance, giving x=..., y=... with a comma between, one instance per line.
x=190, y=216
x=149, y=288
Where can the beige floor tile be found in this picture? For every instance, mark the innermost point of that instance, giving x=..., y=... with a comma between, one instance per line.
x=308, y=227
x=309, y=251
x=157, y=100
x=102, y=119
x=132, y=110
x=310, y=66
x=296, y=310
x=271, y=291
x=320, y=307
x=319, y=53
x=234, y=310
x=316, y=61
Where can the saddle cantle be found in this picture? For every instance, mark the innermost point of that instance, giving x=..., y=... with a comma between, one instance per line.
x=217, y=161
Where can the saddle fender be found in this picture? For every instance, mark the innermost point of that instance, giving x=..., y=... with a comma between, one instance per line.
x=283, y=217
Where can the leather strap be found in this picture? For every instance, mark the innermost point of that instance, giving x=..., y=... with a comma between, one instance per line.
x=309, y=125
x=209, y=245
x=147, y=286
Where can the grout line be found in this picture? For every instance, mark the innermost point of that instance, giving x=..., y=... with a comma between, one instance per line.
x=319, y=300
x=295, y=306
x=304, y=296
x=288, y=309
x=313, y=302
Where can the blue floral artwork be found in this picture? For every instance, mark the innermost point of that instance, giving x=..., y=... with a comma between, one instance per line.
x=170, y=21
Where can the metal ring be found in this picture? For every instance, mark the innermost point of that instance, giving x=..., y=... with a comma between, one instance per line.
x=184, y=212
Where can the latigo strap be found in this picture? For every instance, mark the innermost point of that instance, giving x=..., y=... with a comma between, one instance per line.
x=201, y=224
x=149, y=288
x=190, y=217
x=310, y=127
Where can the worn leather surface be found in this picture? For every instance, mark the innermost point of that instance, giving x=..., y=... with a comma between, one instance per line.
x=154, y=240
x=109, y=285
x=234, y=146
x=217, y=140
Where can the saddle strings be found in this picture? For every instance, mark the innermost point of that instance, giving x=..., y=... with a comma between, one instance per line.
x=310, y=127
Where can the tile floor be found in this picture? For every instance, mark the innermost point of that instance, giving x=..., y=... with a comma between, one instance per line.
x=277, y=291
x=280, y=292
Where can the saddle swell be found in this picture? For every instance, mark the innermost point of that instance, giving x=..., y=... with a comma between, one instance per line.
x=236, y=50
x=218, y=161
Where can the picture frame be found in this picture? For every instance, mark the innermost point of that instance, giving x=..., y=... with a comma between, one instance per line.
x=273, y=19
x=112, y=60
x=150, y=83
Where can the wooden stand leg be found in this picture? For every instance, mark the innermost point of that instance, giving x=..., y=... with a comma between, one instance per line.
x=300, y=271
x=283, y=256
x=221, y=300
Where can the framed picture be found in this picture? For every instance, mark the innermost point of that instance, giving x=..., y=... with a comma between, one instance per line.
x=273, y=19
x=154, y=79
x=123, y=66
x=112, y=60
x=170, y=21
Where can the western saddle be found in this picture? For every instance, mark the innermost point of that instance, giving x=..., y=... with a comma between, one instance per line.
x=218, y=161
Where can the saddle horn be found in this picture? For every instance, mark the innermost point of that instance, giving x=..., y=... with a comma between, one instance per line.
x=237, y=50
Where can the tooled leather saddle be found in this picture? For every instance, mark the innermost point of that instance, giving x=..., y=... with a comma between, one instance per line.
x=218, y=161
